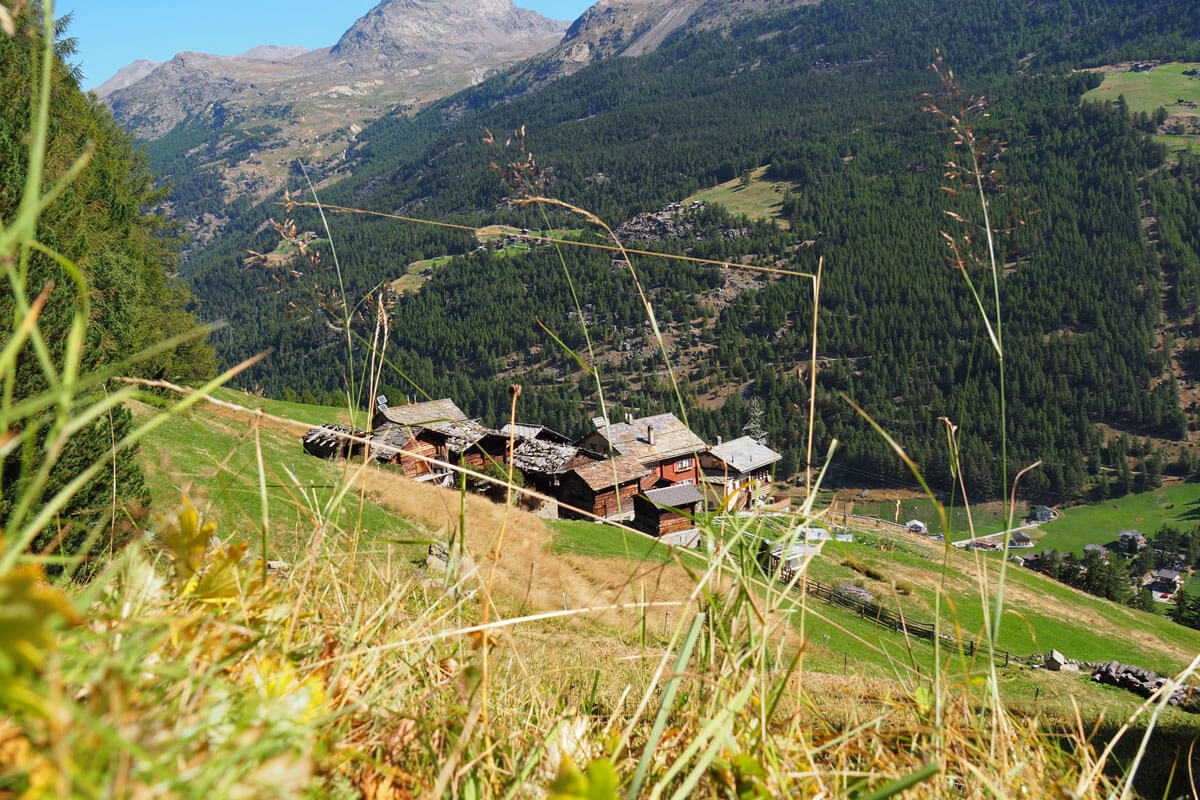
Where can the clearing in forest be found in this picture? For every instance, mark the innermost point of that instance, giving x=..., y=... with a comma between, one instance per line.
x=759, y=199
x=1164, y=86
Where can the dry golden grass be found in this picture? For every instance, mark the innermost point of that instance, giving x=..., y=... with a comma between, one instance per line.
x=527, y=575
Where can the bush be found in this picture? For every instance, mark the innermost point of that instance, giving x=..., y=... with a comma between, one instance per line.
x=862, y=569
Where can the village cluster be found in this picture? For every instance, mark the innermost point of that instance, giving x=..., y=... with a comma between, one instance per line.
x=651, y=471
x=1162, y=583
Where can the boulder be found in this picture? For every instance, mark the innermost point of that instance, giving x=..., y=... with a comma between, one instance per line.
x=440, y=558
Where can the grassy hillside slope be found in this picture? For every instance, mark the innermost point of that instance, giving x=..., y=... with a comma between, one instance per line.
x=211, y=456
x=575, y=642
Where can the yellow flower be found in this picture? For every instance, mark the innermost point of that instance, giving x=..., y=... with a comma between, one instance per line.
x=289, y=696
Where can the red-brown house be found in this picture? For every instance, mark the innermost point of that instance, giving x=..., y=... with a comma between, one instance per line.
x=662, y=443
x=605, y=487
x=410, y=449
x=459, y=439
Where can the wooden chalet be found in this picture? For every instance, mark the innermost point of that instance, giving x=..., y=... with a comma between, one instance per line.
x=665, y=512
x=606, y=487
x=410, y=449
x=470, y=444
x=662, y=443
x=739, y=470
x=334, y=441
x=458, y=438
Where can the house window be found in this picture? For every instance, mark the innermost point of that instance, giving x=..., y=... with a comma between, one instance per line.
x=685, y=482
x=683, y=464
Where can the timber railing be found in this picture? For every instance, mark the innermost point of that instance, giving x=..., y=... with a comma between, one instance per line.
x=897, y=622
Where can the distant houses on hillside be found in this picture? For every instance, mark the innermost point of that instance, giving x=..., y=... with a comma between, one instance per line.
x=1040, y=514
x=1020, y=539
x=1131, y=542
x=651, y=471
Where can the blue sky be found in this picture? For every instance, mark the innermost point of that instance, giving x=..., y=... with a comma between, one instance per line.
x=112, y=33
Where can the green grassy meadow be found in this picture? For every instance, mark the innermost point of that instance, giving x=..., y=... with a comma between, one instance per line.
x=1041, y=614
x=1176, y=142
x=761, y=199
x=1165, y=86
x=210, y=455
x=986, y=519
x=412, y=279
x=211, y=458
x=1100, y=523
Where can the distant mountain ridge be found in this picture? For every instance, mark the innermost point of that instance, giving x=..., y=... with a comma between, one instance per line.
x=407, y=32
x=636, y=27
x=126, y=76
x=426, y=40
x=227, y=127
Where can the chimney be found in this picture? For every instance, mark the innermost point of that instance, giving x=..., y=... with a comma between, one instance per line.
x=650, y=437
x=720, y=441
x=628, y=418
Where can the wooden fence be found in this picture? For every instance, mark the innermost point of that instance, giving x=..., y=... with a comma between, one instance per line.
x=886, y=618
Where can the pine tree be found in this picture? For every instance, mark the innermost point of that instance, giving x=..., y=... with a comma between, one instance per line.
x=99, y=223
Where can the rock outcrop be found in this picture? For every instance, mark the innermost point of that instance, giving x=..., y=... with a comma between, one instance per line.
x=1145, y=682
x=636, y=27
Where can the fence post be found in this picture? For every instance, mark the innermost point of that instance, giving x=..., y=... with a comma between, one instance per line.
x=1006, y=658
x=972, y=644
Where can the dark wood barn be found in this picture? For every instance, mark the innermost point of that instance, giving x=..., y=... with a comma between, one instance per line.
x=409, y=449
x=474, y=446
x=605, y=487
x=660, y=512
x=333, y=441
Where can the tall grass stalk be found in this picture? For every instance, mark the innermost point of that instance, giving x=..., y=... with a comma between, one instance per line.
x=972, y=175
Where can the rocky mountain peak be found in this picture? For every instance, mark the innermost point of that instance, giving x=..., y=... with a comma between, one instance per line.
x=636, y=27
x=399, y=31
x=126, y=76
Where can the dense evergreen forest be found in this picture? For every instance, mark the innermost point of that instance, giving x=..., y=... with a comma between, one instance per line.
x=124, y=255
x=828, y=98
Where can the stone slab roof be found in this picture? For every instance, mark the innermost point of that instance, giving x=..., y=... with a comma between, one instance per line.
x=428, y=413
x=677, y=496
x=547, y=458
x=672, y=439
x=745, y=454
x=526, y=431
x=388, y=442
x=599, y=475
